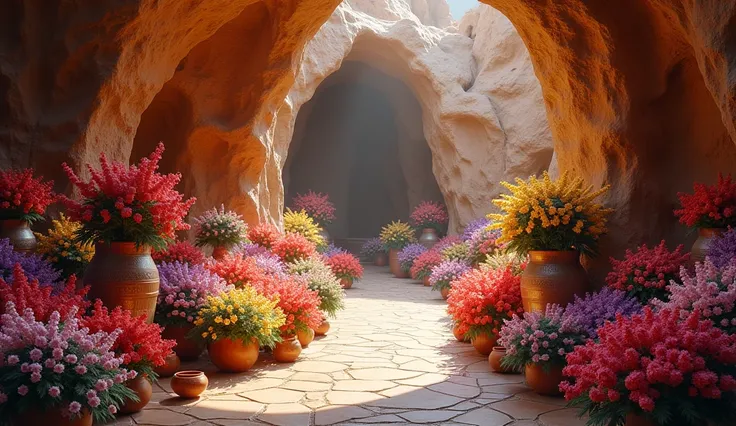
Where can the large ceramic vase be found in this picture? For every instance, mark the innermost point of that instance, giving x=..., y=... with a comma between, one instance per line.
x=483, y=343
x=233, y=355
x=381, y=259
x=428, y=238
x=219, y=253
x=393, y=261
x=706, y=236
x=121, y=274
x=142, y=388
x=544, y=382
x=52, y=417
x=19, y=234
x=287, y=350
x=186, y=348
x=305, y=337
x=552, y=277
x=633, y=419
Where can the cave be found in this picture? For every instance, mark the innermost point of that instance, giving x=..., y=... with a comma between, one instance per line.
x=360, y=139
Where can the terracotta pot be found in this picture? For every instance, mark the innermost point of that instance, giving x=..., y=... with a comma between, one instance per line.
x=459, y=336
x=325, y=235
x=219, y=252
x=189, y=384
x=122, y=275
x=233, y=356
x=346, y=283
x=187, y=349
x=428, y=238
x=393, y=261
x=287, y=350
x=305, y=337
x=323, y=328
x=170, y=368
x=143, y=389
x=425, y=281
x=552, y=277
x=633, y=419
x=484, y=343
x=380, y=260
x=53, y=417
x=20, y=235
x=402, y=274
x=706, y=236
x=543, y=382
x=494, y=360
x=445, y=292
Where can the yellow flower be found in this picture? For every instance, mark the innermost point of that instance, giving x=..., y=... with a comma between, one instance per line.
x=233, y=318
x=397, y=234
x=226, y=321
x=218, y=319
x=214, y=336
x=204, y=335
x=300, y=223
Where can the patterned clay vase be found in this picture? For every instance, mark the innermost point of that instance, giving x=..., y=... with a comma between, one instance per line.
x=20, y=235
x=706, y=236
x=428, y=238
x=552, y=277
x=233, y=355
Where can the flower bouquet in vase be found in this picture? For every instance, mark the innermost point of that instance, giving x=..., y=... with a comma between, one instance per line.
x=421, y=268
x=23, y=201
x=374, y=251
x=431, y=219
x=220, y=230
x=407, y=256
x=346, y=268
x=319, y=207
x=299, y=222
x=443, y=275
x=395, y=236
x=61, y=248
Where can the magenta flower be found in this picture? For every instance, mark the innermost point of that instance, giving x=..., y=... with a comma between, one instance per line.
x=317, y=205
x=443, y=274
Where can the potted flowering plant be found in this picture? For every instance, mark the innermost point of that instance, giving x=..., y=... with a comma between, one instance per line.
x=220, y=230
x=346, y=268
x=431, y=218
x=456, y=251
x=60, y=248
x=421, y=269
x=538, y=344
x=723, y=249
x=407, y=256
x=646, y=273
x=300, y=223
x=264, y=234
x=139, y=345
x=331, y=250
x=481, y=244
x=292, y=247
x=58, y=373
x=590, y=312
x=126, y=211
x=629, y=375
x=184, y=291
x=374, y=251
x=237, y=270
x=34, y=265
x=480, y=301
x=473, y=226
x=710, y=209
x=395, y=236
x=180, y=251
x=234, y=324
x=23, y=201
x=445, y=273
x=553, y=222
x=320, y=278
x=319, y=207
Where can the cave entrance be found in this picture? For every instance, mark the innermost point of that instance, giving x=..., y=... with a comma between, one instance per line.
x=360, y=139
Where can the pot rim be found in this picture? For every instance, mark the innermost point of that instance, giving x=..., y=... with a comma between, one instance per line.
x=711, y=232
x=499, y=348
x=121, y=247
x=554, y=255
x=188, y=374
x=20, y=222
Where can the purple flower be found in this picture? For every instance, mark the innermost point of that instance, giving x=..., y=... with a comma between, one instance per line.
x=194, y=282
x=407, y=255
x=270, y=263
x=371, y=248
x=34, y=266
x=473, y=226
x=249, y=249
x=592, y=311
x=446, y=241
x=446, y=272
x=723, y=250
x=332, y=250
x=482, y=243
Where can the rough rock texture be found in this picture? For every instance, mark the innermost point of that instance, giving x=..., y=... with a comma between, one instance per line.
x=481, y=107
x=641, y=95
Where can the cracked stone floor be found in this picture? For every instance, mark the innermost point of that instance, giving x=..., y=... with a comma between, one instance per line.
x=389, y=358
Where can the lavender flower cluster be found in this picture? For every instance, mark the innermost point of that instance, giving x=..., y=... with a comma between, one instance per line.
x=249, y=249
x=332, y=250
x=408, y=254
x=184, y=289
x=473, y=226
x=446, y=272
x=34, y=266
x=592, y=311
x=723, y=250
x=371, y=248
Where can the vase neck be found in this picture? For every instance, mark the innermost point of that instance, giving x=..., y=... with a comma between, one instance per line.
x=124, y=248
x=13, y=223
x=554, y=256
x=711, y=232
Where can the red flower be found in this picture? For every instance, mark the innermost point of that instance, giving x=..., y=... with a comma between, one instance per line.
x=237, y=270
x=293, y=247
x=429, y=214
x=24, y=197
x=316, y=205
x=299, y=303
x=182, y=252
x=264, y=234
x=423, y=264
x=345, y=265
x=709, y=206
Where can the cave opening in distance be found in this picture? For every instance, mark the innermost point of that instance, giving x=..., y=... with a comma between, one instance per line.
x=360, y=139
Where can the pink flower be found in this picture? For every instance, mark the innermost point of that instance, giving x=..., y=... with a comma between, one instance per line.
x=35, y=377
x=3, y=398
x=22, y=390
x=80, y=369
x=54, y=391
x=59, y=368
x=112, y=409
x=71, y=359
x=36, y=354
x=13, y=359
x=93, y=402
x=74, y=407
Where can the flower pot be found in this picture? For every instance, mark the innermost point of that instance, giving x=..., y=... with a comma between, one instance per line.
x=633, y=419
x=425, y=281
x=445, y=292
x=305, y=337
x=428, y=238
x=393, y=261
x=381, y=259
x=402, y=274
x=187, y=349
x=143, y=390
x=122, y=275
x=458, y=335
x=20, y=235
x=323, y=328
x=219, y=253
x=51, y=417
x=346, y=282
x=484, y=343
x=325, y=235
x=189, y=384
x=287, y=350
x=544, y=382
x=233, y=356
x=170, y=367
x=706, y=236
x=552, y=277
x=494, y=360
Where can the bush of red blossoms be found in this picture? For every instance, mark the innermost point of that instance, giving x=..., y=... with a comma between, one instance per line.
x=646, y=273
x=429, y=214
x=264, y=234
x=299, y=303
x=237, y=270
x=23, y=197
x=292, y=247
x=345, y=265
x=711, y=206
x=423, y=264
x=317, y=205
x=656, y=365
x=180, y=251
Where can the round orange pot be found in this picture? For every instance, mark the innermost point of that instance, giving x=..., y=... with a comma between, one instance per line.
x=233, y=355
x=346, y=283
x=323, y=328
x=458, y=335
x=445, y=292
x=287, y=350
x=305, y=337
x=122, y=275
x=552, y=277
x=495, y=358
x=20, y=235
x=425, y=281
x=52, y=417
x=170, y=367
x=428, y=238
x=143, y=390
x=187, y=349
x=637, y=420
x=380, y=260
x=401, y=274
x=543, y=382
x=484, y=343
x=393, y=261
x=189, y=384
x=219, y=252
x=706, y=236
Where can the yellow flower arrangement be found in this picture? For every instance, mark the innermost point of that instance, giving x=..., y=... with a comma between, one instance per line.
x=62, y=250
x=301, y=223
x=397, y=235
x=243, y=314
x=542, y=214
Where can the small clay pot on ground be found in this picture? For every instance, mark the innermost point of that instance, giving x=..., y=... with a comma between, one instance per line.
x=459, y=336
x=186, y=348
x=495, y=360
x=400, y=273
x=346, y=283
x=305, y=337
x=287, y=350
x=445, y=292
x=219, y=252
x=323, y=328
x=544, y=382
x=141, y=386
x=170, y=367
x=380, y=260
x=425, y=281
x=484, y=343
x=233, y=355
x=189, y=383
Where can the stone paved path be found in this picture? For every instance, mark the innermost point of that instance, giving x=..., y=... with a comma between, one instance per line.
x=390, y=359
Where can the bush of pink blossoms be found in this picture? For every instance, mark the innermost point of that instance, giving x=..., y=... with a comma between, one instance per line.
x=53, y=365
